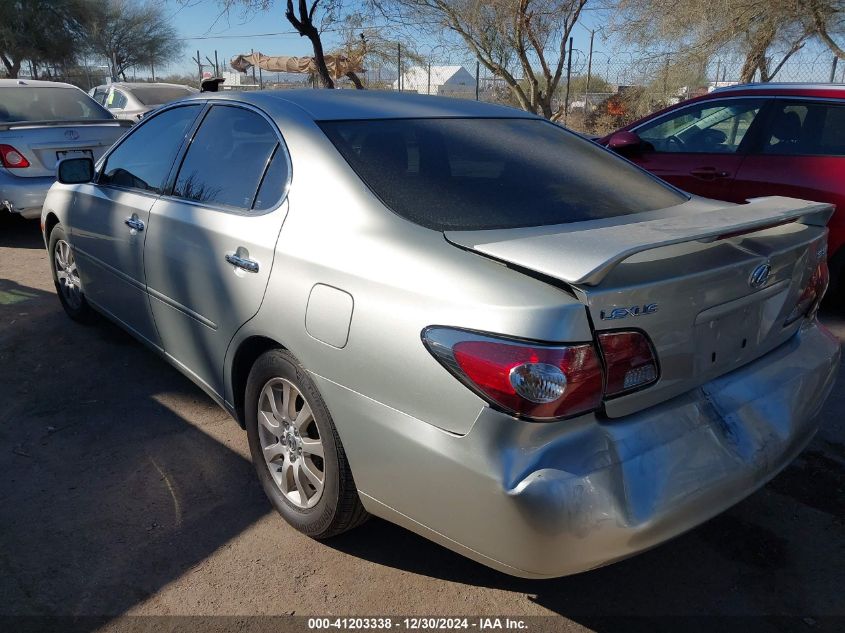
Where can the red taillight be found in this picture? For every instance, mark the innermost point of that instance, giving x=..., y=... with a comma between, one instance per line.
x=12, y=158
x=812, y=294
x=544, y=382
x=536, y=381
x=629, y=361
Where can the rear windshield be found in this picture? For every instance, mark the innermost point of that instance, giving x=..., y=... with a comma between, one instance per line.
x=470, y=174
x=156, y=95
x=35, y=103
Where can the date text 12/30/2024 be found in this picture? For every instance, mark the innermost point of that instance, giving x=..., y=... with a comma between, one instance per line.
x=417, y=624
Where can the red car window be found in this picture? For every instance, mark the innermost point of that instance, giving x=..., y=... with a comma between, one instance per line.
x=716, y=127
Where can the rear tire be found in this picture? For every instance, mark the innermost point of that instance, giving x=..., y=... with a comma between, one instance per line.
x=296, y=450
x=66, y=277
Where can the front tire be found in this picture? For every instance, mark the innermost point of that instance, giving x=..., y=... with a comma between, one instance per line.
x=296, y=450
x=66, y=277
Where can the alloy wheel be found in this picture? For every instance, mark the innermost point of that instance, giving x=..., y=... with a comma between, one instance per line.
x=67, y=274
x=291, y=443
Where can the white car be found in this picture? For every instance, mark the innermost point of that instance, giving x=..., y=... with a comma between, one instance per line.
x=131, y=101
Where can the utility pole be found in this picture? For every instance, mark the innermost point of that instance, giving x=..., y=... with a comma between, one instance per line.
x=833, y=69
x=198, y=60
x=216, y=64
x=254, y=80
x=153, y=69
x=399, y=66
x=568, y=77
x=476, y=80
x=589, y=74
x=428, y=88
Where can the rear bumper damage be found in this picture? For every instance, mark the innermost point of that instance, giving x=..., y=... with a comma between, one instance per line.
x=24, y=196
x=546, y=500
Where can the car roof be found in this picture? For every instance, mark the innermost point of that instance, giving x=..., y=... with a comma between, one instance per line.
x=781, y=86
x=131, y=85
x=142, y=84
x=33, y=83
x=782, y=89
x=326, y=105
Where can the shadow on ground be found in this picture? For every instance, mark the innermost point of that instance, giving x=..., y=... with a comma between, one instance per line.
x=107, y=493
x=19, y=233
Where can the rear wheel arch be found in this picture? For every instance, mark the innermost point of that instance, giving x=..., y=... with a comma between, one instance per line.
x=49, y=224
x=247, y=353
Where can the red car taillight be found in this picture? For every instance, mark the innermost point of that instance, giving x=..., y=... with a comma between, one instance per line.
x=12, y=158
x=811, y=295
x=539, y=381
x=629, y=361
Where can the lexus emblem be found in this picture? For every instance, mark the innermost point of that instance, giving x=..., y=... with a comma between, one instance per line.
x=760, y=275
x=71, y=135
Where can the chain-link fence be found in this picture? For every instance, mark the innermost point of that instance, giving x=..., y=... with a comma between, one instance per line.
x=601, y=91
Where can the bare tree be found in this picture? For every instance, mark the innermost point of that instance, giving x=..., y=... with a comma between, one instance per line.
x=826, y=20
x=521, y=41
x=128, y=34
x=766, y=33
x=302, y=19
x=310, y=18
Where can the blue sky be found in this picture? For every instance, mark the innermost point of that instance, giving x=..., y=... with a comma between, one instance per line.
x=203, y=28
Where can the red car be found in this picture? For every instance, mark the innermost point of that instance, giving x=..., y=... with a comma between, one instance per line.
x=752, y=140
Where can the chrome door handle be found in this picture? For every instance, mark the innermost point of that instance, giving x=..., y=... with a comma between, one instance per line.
x=134, y=223
x=249, y=265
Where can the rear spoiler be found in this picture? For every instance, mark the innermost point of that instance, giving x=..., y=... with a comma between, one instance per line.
x=5, y=127
x=585, y=252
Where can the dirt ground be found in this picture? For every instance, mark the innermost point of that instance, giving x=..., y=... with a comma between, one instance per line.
x=125, y=490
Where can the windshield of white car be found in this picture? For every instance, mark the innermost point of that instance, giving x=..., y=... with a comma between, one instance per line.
x=474, y=174
x=156, y=95
x=47, y=103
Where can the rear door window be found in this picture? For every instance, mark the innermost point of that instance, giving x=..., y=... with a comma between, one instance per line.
x=805, y=128
x=117, y=100
x=227, y=158
x=274, y=183
x=143, y=160
x=468, y=174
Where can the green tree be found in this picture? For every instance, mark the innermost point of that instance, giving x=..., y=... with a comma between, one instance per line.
x=41, y=31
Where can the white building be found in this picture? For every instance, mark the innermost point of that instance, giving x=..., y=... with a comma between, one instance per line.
x=443, y=80
x=236, y=81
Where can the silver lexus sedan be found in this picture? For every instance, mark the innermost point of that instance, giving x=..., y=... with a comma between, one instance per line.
x=456, y=316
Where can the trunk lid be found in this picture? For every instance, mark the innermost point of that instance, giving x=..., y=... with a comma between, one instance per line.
x=44, y=143
x=683, y=275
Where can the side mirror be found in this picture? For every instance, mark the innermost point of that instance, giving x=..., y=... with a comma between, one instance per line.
x=75, y=171
x=625, y=142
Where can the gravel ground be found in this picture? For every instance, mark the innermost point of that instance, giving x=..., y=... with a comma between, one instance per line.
x=125, y=490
